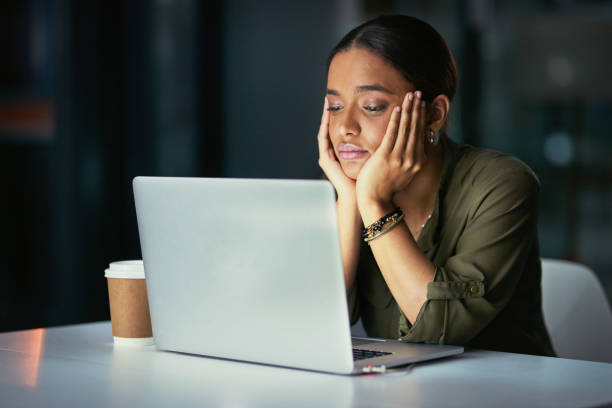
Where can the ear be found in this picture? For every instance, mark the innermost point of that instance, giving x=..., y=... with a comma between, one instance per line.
x=437, y=112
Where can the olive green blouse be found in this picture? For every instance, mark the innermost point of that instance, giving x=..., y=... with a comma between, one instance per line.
x=482, y=239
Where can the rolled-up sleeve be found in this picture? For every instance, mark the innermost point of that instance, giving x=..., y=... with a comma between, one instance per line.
x=476, y=282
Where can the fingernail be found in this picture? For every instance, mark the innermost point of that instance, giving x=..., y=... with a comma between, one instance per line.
x=418, y=94
x=410, y=96
x=397, y=108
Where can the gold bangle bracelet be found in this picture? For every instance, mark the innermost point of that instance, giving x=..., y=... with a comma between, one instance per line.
x=384, y=230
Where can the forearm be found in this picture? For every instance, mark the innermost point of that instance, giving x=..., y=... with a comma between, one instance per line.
x=349, y=226
x=405, y=268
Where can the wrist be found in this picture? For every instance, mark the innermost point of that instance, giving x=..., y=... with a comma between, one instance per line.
x=369, y=197
x=347, y=208
x=347, y=194
x=371, y=209
x=347, y=199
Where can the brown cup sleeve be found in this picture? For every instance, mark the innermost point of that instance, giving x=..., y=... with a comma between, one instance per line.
x=129, y=308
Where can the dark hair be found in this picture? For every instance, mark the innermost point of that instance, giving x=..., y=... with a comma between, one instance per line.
x=411, y=46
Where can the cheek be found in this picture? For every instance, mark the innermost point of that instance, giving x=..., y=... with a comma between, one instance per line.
x=376, y=131
x=334, y=133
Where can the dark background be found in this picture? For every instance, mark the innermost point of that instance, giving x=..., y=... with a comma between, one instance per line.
x=94, y=93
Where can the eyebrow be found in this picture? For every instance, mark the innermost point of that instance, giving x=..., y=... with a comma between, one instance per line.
x=362, y=88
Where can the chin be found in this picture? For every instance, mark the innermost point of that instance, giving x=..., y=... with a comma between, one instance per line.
x=351, y=170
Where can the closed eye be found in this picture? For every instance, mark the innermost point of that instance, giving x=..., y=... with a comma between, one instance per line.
x=375, y=108
x=369, y=108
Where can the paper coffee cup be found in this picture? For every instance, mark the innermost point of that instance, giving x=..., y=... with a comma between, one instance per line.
x=129, y=306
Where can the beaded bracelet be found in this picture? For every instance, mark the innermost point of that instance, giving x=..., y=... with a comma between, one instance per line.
x=385, y=229
x=382, y=225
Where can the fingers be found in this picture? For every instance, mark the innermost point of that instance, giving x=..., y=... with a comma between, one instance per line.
x=323, y=129
x=415, y=150
x=414, y=122
x=323, y=135
x=409, y=146
x=403, y=131
x=327, y=157
x=419, y=135
x=386, y=146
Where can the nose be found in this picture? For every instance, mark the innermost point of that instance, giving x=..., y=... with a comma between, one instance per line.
x=348, y=123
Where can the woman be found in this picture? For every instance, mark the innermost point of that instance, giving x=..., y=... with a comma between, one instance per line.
x=452, y=252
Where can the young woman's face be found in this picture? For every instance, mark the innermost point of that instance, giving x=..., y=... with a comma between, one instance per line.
x=362, y=90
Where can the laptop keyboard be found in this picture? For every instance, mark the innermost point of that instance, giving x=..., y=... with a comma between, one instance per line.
x=360, y=354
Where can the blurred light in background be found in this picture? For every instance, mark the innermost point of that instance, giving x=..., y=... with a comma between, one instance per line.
x=559, y=149
x=560, y=71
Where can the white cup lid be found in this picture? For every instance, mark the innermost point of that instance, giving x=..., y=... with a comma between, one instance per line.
x=133, y=269
x=134, y=342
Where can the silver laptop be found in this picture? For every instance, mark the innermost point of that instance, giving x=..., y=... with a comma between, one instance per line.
x=251, y=270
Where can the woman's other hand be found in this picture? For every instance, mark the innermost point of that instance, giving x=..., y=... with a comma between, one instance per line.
x=399, y=157
x=345, y=186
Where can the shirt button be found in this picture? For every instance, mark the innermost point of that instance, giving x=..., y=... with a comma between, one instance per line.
x=474, y=289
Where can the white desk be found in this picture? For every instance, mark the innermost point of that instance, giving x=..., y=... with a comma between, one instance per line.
x=77, y=366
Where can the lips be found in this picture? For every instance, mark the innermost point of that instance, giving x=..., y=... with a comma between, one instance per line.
x=349, y=151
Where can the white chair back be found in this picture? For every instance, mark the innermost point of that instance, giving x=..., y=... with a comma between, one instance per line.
x=576, y=311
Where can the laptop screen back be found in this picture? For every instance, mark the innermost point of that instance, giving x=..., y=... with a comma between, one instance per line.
x=245, y=269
